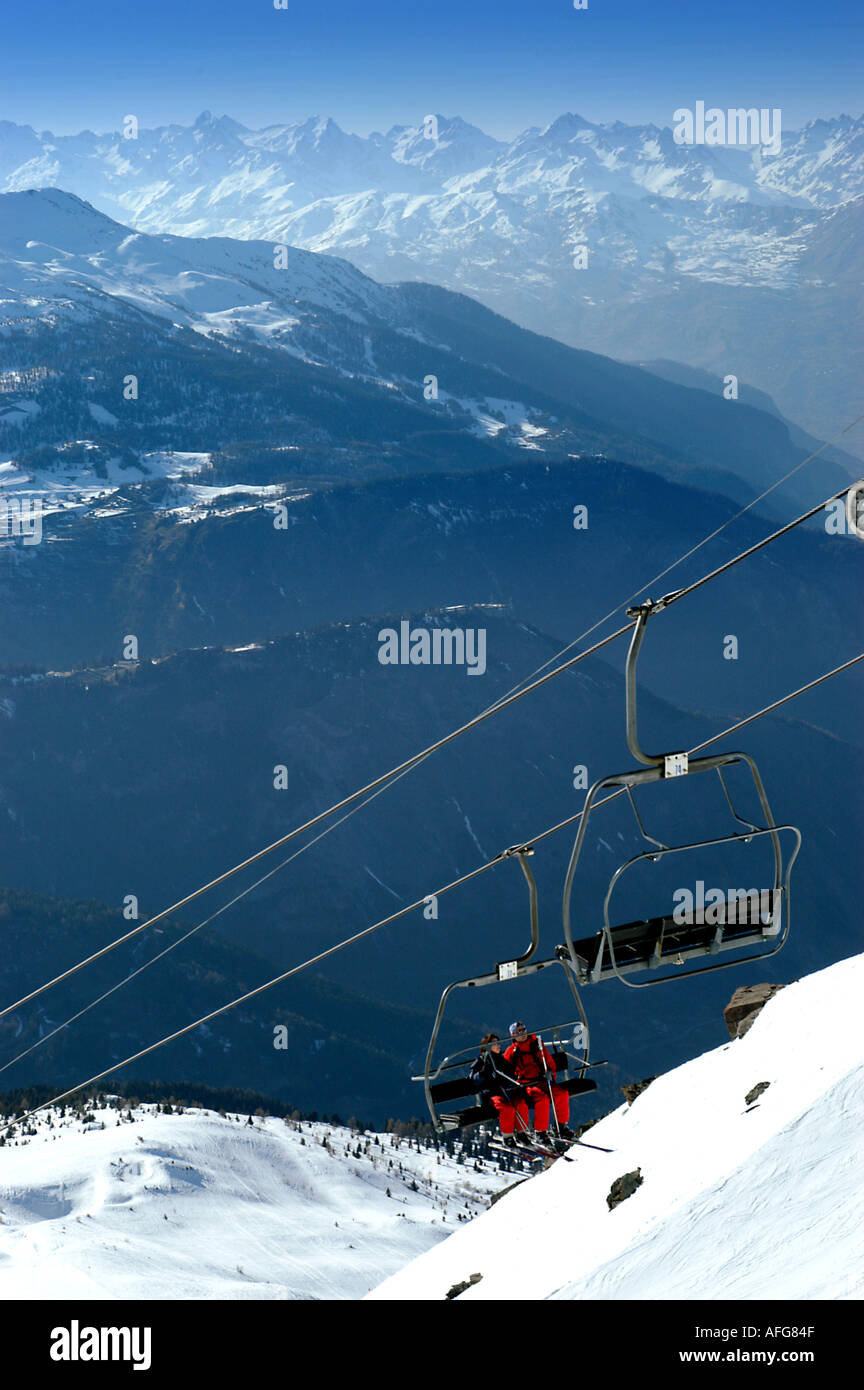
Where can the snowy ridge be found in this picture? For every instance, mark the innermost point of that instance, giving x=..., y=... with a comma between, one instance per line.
x=214, y=285
x=200, y=1205
x=405, y=205
x=737, y=1201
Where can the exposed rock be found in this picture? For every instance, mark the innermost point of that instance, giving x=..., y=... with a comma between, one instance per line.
x=455, y=1291
x=624, y=1187
x=756, y=1092
x=635, y=1088
x=745, y=1005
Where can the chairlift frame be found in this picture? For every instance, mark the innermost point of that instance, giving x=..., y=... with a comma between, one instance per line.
x=688, y=938
x=515, y=968
x=584, y=962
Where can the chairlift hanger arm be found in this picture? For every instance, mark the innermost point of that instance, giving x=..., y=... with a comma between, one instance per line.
x=521, y=852
x=641, y=613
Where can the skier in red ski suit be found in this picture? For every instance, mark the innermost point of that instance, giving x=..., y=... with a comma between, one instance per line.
x=531, y=1062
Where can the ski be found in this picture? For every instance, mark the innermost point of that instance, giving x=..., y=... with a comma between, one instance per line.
x=569, y=1143
x=523, y=1151
x=599, y=1147
x=531, y=1150
x=549, y=1152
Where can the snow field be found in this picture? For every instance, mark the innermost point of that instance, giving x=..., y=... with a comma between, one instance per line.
x=200, y=1206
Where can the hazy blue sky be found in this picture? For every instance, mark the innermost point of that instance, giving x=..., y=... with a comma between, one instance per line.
x=374, y=63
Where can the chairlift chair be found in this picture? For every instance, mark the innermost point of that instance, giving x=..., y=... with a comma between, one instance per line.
x=448, y=1081
x=670, y=940
x=745, y=923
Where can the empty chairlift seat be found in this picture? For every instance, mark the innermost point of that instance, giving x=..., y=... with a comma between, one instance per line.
x=751, y=919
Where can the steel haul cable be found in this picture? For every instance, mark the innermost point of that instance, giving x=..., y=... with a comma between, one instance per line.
x=199, y=926
x=394, y=773
x=386, y=777
x=376, y=926
x=661, y=574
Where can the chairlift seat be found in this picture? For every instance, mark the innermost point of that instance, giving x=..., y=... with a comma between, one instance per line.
x=658, y=941
x=476, y=1114
x=464, y=1086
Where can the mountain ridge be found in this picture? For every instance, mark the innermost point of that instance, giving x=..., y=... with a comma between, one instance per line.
x=725, y=241
x=347, y=352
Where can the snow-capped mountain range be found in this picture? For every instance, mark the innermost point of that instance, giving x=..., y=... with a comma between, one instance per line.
x=60, y=255
x=715, y=256
x=69, y=272
x=156, y=343
x=216, y=177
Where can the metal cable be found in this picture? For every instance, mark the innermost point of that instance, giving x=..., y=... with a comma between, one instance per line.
x=515, y=694
x=692, y=551
x=385, y=921
x=316, y=820
x=198, y=927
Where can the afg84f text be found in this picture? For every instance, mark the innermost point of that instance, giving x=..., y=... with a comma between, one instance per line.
x=726, y=1334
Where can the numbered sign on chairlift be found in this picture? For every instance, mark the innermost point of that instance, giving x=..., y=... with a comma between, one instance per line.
x=675, y=765
x=580, y=1036
x=507, y=970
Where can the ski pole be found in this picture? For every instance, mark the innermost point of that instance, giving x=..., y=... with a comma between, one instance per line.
x=552, y=1111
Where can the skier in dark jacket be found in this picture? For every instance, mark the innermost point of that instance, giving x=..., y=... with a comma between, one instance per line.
x=534, y=1067
x=495, y=1079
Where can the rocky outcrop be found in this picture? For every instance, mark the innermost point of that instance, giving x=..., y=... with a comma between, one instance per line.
x=455, y=1291
x=635, y=1088
x=756, y=1092
x=624, y=1187
x=745, y=1005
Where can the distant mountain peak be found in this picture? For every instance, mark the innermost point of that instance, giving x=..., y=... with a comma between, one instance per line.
x=568, y=123
x=206, y=120
x=319, y=124
x=59, y=198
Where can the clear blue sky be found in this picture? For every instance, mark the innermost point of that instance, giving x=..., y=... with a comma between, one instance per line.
x=370, y=64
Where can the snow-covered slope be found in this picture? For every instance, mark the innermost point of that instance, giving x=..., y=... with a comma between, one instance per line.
x=198, y=1205
x=737, y=1201
x=236, y=342
x=57, y=249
